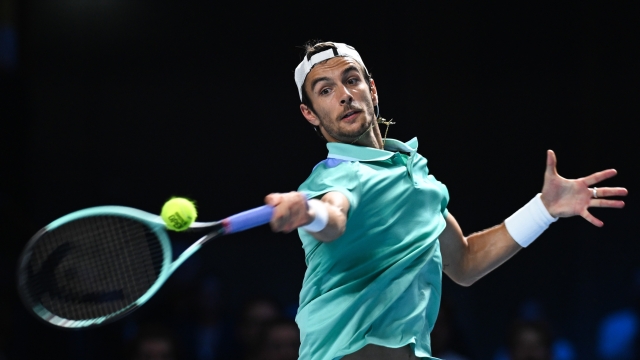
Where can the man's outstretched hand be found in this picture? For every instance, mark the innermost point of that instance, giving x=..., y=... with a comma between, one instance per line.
x=566, y=197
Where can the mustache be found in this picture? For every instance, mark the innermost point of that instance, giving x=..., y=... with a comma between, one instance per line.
x=349, y=108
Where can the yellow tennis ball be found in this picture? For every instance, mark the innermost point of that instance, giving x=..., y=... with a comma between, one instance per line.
x=179, y=213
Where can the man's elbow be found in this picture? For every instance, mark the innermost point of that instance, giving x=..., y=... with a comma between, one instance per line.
x=463, y=280
x=467, y=282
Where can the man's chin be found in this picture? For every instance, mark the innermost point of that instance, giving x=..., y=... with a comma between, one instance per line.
x=354, y=134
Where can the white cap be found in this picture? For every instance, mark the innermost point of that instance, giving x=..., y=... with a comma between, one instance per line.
x=308, y=63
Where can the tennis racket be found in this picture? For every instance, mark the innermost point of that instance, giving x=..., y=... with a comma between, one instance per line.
x=96, y=265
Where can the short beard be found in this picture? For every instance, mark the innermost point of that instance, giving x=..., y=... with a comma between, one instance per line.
x=331, y=128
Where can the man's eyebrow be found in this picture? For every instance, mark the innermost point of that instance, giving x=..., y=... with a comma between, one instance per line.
x=349, y=69
x=317, y=80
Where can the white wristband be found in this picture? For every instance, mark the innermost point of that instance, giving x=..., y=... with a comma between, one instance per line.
x=321, y=216
x=526, y=224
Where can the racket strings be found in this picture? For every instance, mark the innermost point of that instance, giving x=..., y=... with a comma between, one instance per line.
x=94, y=267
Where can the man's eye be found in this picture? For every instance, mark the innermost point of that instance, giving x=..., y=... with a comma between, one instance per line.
x=324, y=91
x=353, y=81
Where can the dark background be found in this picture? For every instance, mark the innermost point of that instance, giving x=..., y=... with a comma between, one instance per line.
x=130, y=102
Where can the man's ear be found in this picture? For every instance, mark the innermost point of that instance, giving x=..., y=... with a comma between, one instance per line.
x=374, y=93
x=309, y=115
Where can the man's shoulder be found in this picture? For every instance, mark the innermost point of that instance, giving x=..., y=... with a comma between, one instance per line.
x=329, y=163
x=331, y=172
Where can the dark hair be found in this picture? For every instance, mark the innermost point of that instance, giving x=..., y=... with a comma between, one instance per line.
x=311, y=48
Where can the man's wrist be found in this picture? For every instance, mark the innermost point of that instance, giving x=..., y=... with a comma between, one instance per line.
x=320, y=218
x=526, y=224
x=547, y=205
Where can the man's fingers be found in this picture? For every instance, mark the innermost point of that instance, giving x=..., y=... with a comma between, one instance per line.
x=592, y=219
x=606, y=203
x=290, y=211
x=551, y=163
x=599, y=176
x=273, y=199
x=609, y=191
x=279, y=218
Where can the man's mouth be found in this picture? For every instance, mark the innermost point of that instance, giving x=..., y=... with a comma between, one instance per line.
x=350, y=115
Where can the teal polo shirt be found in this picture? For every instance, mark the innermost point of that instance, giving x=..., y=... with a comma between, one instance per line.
x=380, y=282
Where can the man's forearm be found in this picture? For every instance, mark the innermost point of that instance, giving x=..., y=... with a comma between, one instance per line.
x=467, y=259
x=486, y=250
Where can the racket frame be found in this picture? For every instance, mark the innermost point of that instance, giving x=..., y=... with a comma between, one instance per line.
x=152, y=221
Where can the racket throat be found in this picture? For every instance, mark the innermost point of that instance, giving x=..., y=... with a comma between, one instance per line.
x=218, y=230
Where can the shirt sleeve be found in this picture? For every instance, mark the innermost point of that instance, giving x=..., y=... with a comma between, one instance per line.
x=327, y=177
x=444, y=194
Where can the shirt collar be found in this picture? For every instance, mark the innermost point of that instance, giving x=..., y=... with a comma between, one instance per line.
x=363, y=153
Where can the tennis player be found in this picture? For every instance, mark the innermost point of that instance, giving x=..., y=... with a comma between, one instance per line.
x=376, y=231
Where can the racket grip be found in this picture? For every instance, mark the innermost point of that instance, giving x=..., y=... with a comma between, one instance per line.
x=249, y=219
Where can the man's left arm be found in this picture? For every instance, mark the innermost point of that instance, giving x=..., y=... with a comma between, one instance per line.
x=467, y=259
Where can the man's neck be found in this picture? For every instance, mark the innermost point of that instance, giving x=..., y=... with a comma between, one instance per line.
x=372, y=138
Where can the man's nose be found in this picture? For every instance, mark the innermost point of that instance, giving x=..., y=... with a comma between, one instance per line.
x=345, y=97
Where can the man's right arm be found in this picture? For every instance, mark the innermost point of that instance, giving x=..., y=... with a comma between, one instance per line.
x=292, y=211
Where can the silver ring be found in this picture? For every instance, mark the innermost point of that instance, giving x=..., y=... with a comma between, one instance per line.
x=595, y=194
